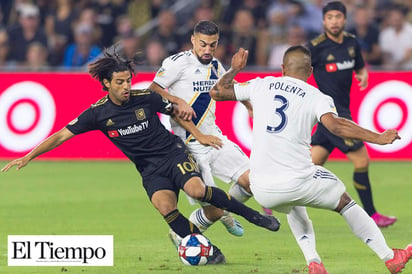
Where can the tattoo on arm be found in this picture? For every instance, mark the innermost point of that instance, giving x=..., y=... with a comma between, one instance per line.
x=224, y=87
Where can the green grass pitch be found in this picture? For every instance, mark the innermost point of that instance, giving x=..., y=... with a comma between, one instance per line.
x=100, y=198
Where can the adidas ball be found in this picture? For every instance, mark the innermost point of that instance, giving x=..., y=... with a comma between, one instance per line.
x=195, y=249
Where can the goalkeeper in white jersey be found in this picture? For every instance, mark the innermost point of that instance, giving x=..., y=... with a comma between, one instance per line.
x=188, y=76
x=282, y=175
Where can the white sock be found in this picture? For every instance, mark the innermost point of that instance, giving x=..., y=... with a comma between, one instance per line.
x=199, y=219
x=239, y=193
x=302, y=229
x=366, y=229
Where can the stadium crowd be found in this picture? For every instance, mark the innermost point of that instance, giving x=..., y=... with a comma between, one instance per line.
x=41, y=35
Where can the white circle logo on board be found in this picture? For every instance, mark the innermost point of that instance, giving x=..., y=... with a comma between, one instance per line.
x=241, y=125
x=388, y=106
x=27, y=114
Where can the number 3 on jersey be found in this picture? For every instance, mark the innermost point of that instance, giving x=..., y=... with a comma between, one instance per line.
x=280, y=112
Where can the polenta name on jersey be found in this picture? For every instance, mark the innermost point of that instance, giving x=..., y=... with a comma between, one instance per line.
x=203, y=86
x=287, y=88
x=133, y=129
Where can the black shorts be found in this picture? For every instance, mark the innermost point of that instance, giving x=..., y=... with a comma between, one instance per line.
x=323, y=137
x=171, y=173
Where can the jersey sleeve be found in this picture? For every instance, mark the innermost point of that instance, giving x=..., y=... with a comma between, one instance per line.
x=160, y=104
x=169, y=72
x=359, y=63
x=83, y=123
x=324, y=104
x=243, y=91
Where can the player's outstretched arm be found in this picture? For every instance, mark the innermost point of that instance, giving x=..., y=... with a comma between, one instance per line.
x=186, y=112
x=348, y=129
x=207, y=140
x=223, y=89
x=48, y=144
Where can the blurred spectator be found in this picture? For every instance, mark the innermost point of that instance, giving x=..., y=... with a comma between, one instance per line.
x=27, y=31
x=88, y=16
x=257, y=7
x=244, y=34
x=295, y=36
x=106, y=14
x=278, y=16
x=367, y=35
x=124, y=27
x=5, y=9
x=36, y=58
x=166, y=32
x=4, y=51
x=83, y=49
x=129, y=43
x=155, y=53
x=58, y=26
x=396, y=40
x=308, y=16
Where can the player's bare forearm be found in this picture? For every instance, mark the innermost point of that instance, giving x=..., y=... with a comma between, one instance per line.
x=50, y=143
x=223, y=89
x=348, y=129
x=207, y=140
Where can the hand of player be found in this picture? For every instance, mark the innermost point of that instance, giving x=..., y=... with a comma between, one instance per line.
x=210, y=140
x=388, y=137
x=239, y=59
x=363, y=81
x=21, y=162
x=185, y=111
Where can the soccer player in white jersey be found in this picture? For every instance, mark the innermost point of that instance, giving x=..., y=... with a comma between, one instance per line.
x=282, y=175
x=189, y=75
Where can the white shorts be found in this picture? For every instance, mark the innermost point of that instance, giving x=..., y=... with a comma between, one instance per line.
x=227, y=163
x=322, y=190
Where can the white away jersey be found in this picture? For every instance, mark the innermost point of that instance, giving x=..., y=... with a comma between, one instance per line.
x=285, y=110
x=187, y=78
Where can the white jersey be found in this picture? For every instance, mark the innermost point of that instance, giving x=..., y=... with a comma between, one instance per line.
x=185, y=77
x=285, y=110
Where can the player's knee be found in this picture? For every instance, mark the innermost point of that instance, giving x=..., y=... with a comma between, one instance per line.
x=244, y=181
x=195, y=188
x=345, y=199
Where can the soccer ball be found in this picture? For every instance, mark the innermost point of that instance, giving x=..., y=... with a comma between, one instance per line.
x=195, y=249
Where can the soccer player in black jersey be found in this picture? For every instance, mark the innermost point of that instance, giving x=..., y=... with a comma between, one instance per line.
x=335, y=55
x=129, y=119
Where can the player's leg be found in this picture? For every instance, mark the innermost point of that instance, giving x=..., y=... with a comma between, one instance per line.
x=366, y=229
x=302, y=228
x=165, y=201
x=319, y=155
x=360, y=160
x=195, y=188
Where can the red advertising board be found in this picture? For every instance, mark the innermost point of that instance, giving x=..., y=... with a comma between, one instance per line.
x=34, y=105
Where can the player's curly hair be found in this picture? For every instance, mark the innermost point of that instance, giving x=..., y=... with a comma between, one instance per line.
x=111, y=62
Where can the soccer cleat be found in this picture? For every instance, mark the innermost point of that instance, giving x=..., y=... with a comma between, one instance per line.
x=400, y=258
x=382, y=220
x=267, y=211
x=176, y=239
x=217, y=257
x=268, y=222
x=316, y=268
x=232, y=225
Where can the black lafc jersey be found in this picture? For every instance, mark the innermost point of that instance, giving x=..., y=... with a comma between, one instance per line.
x=333, y=66
x=134, y=127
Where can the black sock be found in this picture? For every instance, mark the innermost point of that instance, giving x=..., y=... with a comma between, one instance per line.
x=179, y=224
x=221, y=199
x=362, y=186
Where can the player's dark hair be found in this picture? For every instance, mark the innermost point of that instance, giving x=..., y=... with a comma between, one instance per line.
x=111, y=62
x=334, y=5
x=298, y=48
x=206, y=27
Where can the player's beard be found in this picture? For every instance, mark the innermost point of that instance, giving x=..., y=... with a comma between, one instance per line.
x=337, y=32
x=204, y=61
